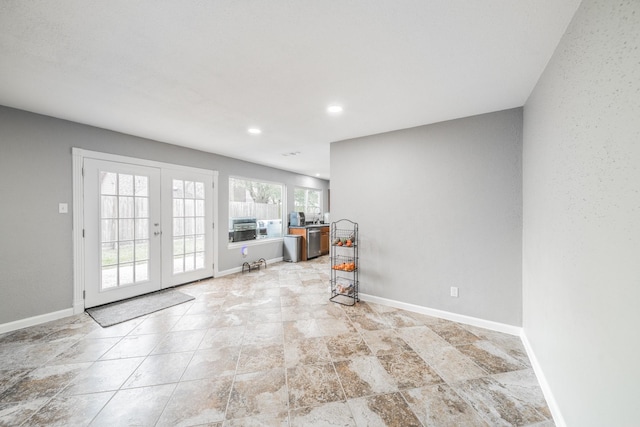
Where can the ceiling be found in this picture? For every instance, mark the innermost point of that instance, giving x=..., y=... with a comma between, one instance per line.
x=200, y=73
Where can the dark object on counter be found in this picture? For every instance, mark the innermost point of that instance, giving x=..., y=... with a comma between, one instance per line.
x=244, y=229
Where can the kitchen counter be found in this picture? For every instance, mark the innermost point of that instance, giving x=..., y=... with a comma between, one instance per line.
x=304, y=232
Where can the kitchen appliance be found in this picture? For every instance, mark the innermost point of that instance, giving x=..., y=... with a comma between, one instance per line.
x=296, y=219
x=244, y=229
x=292, y=247
x=313, y=242
x=268, y=228
x=262, y=229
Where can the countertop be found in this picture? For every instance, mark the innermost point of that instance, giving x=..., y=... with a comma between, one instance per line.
x=309, y=226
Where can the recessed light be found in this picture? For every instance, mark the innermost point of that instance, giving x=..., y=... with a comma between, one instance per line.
x=334, y=109
x=317, y=174
x=254, y=131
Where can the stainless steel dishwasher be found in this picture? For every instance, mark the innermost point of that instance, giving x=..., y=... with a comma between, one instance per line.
x=313, y=242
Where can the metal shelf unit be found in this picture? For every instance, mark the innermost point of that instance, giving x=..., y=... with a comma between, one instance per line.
x=344, y=262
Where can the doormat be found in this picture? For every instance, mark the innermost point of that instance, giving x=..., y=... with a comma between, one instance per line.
x=121, y=311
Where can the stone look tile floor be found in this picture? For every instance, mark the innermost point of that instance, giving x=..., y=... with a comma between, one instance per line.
x=267, y=348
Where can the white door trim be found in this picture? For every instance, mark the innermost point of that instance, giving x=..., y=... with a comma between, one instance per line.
x=78, y=156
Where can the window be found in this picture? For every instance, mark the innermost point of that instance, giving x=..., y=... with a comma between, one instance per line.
x=308, y=200
x=255, y=209
x=188, y=225
x=124, y=218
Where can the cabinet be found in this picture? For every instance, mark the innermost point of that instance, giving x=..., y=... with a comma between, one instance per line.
x=301, y=231
x=344, y=262
x=324, y=241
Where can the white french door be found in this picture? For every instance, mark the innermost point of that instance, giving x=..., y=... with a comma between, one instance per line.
x=145, y=228
x=188, y=234
x=122, y=231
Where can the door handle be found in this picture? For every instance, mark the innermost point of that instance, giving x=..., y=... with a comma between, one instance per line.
x=157, y=233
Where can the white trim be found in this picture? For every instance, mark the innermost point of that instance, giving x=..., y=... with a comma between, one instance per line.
x=216, y=228
x=244, y=178
x=137, y=161
x=35, y=320
x=455, y=317
x=558, y=419
x=256, y=242
x=239, y=269
x=78, y=226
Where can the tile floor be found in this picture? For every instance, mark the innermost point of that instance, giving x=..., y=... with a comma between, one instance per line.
x=267, y=348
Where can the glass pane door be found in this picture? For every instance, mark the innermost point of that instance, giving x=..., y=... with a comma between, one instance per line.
x=146, y=228
x=122, y=231
x=125, y=229
x=188, y=225
x=190, y=257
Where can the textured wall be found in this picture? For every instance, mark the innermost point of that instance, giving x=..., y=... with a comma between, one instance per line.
x=438, y=206
x=581, y=240
x=35, y=175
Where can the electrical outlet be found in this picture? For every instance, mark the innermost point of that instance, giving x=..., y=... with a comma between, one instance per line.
x=454, y=291
x=63, y=208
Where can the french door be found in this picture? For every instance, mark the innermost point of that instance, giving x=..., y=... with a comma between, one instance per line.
x=186, y=244
x=145, y=228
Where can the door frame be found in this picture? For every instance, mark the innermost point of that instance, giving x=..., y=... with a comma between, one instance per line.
x=78, y=156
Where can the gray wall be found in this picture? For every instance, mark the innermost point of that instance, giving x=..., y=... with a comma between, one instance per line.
x=35, y=175
x=438, y=206
x=581, y=238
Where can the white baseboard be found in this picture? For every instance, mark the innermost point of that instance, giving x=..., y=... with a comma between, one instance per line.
x=78, y=306
x=487, y=324
x=35, y=320
x=460, y=318
x=544, y=385
x=239, y=269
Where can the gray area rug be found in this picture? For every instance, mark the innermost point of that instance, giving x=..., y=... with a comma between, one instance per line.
x=121, y=311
